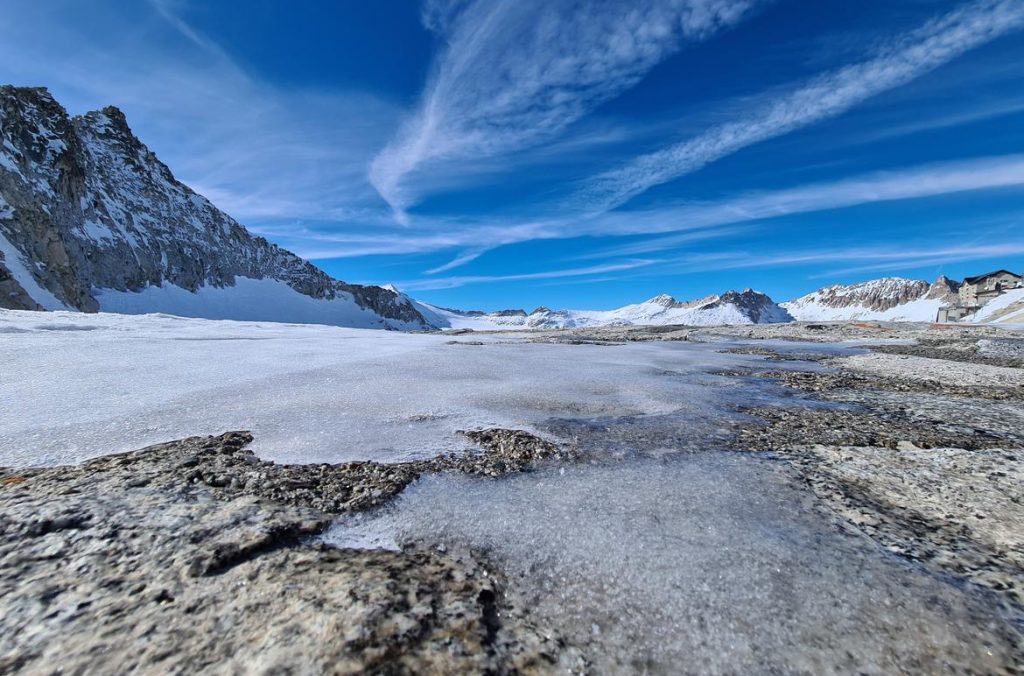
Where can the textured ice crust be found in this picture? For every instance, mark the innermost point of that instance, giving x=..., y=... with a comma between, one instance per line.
x=76, y=386
x=687, y=563
x=710, y=563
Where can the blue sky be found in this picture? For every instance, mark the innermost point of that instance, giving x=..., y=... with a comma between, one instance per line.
x=571, y=153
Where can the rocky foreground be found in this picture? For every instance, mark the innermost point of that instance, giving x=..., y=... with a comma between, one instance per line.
x=196, y=555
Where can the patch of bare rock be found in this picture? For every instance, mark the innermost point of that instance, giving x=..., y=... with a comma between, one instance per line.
x=1008, y=352
x=196, y=555
x=790, y=428
x=936, y=372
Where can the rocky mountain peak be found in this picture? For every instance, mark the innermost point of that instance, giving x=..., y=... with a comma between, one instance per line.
x=664, y=300
x=30, y=97
x=944, y=289
x=757, y=306
x=115, y=115
x=89, y=209
x=877, y=294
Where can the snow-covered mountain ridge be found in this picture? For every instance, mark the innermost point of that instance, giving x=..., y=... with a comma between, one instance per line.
x=91, y=220
x=733, y=307
x=885, y=299
x=888, y=299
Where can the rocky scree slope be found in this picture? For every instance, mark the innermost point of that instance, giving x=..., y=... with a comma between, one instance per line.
x=86, y=207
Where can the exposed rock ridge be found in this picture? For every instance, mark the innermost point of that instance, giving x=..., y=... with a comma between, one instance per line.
x=944, y=289
x=878, y=294
x=755, y=305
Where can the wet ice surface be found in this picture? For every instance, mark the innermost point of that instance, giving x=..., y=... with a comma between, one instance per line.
x=650, y=558
x=707, y=563
x=76, y=386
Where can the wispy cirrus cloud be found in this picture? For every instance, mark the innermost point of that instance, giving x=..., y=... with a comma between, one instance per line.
x=676, y=224
x=455, y=282
x=873, y=259
x=431, y=235
x=929, y=180
x=902, y=60
x=460, y=260
x=970, y=112
x=868, y=259
x=259, y=150
x=515, y=72
x=668, y=242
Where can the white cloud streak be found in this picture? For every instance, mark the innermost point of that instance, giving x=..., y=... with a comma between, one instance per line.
x=668, y=242
x=874, y=259
x=934, y=44
x=877, y=259
x=455, y=282
x=256, y=149
x=972, y=112
x=916, y=183
x=460, y=260
x=516, y=72
x=688, y=223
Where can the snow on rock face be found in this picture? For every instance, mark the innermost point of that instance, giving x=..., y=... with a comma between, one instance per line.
x=91, y=212
x=757, y=307
x=732, y=307
x=17, y=285
x=248, y=300
x=886, y=299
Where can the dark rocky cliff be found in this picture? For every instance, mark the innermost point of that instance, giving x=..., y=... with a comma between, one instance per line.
x=89, y=207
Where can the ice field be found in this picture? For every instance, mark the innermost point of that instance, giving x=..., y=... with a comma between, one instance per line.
x=78, y=385
x=695, y=563
x=659, y=552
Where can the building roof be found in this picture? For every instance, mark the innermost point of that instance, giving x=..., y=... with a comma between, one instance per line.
x=978, y=278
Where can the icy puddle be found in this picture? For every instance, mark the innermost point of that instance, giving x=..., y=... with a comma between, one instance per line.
x=707, y=563
x=75, y=386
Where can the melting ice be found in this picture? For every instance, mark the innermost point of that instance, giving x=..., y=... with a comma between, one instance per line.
x=706, y=563
x=76, y=386
x=650, y=559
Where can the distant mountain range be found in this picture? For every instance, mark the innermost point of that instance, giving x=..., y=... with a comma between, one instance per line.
x=732, y=307
x=886, y=299
x=91, y=220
